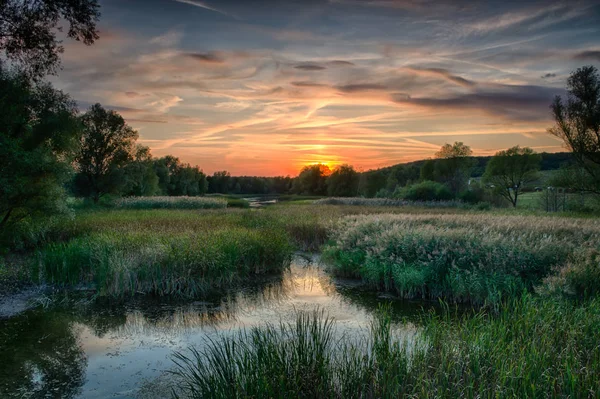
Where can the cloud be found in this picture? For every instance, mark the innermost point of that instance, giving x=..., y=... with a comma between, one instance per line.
x=360, y=87
x=340, y=63
x=308, y=84
x=307, y=66
x=205, y=6
x=209, y=57
x=168, y=39
x=443, y=73
x=592, y=55
x=548, y=75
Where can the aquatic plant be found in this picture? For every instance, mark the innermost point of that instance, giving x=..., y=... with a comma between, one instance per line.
x=531, y=348
x=464, y=258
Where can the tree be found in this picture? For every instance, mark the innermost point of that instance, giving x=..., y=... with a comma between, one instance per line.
x=28, y=30
x=510, y=170
x=107, y=145
x=312, y=180
x=219, y=182
x=343, y=182
x=141, y=179
x=38, y=140
x=453, y=165
x=577, y=122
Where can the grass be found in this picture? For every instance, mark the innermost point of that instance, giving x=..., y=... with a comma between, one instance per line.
x=531, y=348
x=170, y=203
x=474, y=258
x=378, y=202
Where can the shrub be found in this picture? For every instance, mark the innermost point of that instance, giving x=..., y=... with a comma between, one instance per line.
x=426, y=191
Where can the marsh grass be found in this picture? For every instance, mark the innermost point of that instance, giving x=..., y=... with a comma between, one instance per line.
x=170, y=203
x=186, y=264
x=475, y=258
x=378, y=202
x=530, y=349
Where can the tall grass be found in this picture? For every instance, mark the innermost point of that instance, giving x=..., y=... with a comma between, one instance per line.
x=358, y=201
x=530, y=349
x=170, y=203
x=184, y=264
x=463, y=258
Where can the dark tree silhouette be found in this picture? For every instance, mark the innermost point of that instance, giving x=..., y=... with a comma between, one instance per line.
x=107, y=145
x=578, y=119
x=38, y=139
x=28, y=30
x=508, y=171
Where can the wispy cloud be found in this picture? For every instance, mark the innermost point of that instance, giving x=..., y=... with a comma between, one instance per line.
x=202, y=4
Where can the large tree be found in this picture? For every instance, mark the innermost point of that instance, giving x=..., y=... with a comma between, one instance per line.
x=312, y=180
x=510, y=170
x=28, y=31
x=343, y=182
x=578, y=120
x=38, y=139
x=107, y=145
x=141, y=177
x=453, y=165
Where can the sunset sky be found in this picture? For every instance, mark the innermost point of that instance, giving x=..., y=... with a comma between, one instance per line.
x=266, y=87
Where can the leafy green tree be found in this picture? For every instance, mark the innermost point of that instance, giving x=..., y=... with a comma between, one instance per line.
x=577, y=121
x=189, y=180
x=312, y=180
x=166, y=168
x=453, y=166
x=371, y=182
x=425, y=191
x=343, y=182
x=38, y=138
x=510, y=170
x=107, y=145
x=140, y=174
x=28, y=30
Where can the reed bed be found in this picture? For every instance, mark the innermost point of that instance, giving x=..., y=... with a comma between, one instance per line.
x=171, y=203
x=530, y=349
x=475, y=258
x=358, y=201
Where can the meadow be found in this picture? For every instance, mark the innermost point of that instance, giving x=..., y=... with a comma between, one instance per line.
x=530, y=280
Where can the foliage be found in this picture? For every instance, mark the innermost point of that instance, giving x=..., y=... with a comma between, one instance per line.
x=28, y=31
x=312, y=180
x=464, y=258
x=37, y=142
x=426, y=191
x=179, y=179
x=577, y=122
x=530, y=349
x=141, y=178
x=510, y=170
x=343, y=182
x=453, y=166
x=107, y=145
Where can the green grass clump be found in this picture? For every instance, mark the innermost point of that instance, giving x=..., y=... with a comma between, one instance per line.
x=237, y=203
x=187, y=264
x=463, y=258
x=170, y=203
x=530, y=349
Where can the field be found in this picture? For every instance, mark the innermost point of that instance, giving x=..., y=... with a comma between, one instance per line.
x=530, y=280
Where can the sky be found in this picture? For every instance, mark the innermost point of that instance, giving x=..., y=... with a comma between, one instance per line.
x=267, y=87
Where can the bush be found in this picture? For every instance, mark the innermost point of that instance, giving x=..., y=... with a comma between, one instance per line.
x=426, y=191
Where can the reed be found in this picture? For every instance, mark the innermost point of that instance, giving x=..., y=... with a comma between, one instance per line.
x=170, y=203
x=530, y=349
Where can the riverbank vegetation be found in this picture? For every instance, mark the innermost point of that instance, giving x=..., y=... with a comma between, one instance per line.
x=531, y=348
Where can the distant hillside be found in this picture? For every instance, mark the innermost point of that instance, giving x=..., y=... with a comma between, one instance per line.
x=550, y=161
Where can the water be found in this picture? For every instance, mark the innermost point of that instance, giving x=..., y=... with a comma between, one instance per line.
x=124, y=351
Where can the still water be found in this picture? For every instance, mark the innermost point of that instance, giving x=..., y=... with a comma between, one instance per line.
x=108, y=350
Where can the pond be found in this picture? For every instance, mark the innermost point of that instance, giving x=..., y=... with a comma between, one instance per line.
x=105, y=350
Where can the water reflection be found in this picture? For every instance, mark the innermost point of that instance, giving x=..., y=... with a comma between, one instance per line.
x=108, y=349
